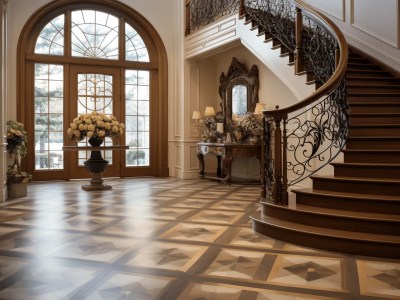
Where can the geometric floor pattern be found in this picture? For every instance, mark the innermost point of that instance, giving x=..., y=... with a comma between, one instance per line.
x=163, y=238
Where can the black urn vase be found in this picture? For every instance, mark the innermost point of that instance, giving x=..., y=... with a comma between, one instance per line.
x=96, y=165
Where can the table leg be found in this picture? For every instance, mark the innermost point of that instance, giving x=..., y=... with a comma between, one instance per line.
x=219, y=169
x=227, y=162
x=201, y=161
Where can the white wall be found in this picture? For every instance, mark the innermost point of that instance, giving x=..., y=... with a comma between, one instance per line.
x=370, y=25
x=3, y=118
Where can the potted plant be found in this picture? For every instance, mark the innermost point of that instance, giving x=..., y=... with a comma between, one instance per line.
x=17, y=180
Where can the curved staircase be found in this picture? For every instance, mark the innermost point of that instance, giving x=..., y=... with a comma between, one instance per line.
x=358, y=209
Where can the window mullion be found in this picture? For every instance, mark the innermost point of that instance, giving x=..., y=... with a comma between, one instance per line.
x=67, y=49
x=121, y=31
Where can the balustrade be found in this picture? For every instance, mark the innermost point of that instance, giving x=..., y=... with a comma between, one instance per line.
x=300, y=139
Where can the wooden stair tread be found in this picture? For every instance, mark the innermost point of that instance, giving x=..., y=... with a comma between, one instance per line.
x=374, y=103
x=371, y=85
x=389, y=94
x=357, y=63
x=349, y=69
x=372, y=78
x=341, y=213
x=373, y=138
x=358, y=179
x=376, y=151
x=368, y=114
x=375, y=125
x=348, y=195
x=335, y=233
x=365, y=164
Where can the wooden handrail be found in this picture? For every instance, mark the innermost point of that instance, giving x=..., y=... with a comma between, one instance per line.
x=335, y=79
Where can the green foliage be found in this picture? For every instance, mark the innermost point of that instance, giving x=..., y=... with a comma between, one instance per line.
x=16, y=175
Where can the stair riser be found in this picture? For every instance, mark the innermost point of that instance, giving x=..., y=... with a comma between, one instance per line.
x=359, y=157
x=328, y=243
x=374, y=89
x=358, y=60
x=372, y=119
x=342, y=203
x=356, y=73
x=333, y=222
x=395, y=108
x=357, y=80
x=374, y=131
x=369, y=144
x=367, y=172
x=363, y=67
x=373, y=99
x=363, y=187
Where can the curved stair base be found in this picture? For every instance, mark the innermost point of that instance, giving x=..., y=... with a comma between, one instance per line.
x=328, y=239
x=357, y=210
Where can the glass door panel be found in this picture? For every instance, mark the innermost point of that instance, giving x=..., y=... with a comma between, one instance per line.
x=48, y=117
x=137, y=116
x=95, y=89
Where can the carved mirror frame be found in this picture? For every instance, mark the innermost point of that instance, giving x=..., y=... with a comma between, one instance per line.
x=237, y=75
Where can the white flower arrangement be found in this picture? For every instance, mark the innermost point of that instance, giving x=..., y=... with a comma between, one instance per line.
x=16, y=138
x=248, y=125
x=97, y=125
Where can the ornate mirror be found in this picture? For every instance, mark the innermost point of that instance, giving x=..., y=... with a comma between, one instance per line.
x=238, y=90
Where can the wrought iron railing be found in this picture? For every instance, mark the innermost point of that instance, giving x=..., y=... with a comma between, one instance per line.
x=275, y=17
x=319, y=47
x=203, y=12
x=300, y=139
x=303, y=138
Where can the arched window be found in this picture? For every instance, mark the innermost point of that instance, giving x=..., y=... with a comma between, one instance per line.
x=79, y=57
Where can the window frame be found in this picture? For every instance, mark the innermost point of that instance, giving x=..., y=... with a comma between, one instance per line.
x=157, y=67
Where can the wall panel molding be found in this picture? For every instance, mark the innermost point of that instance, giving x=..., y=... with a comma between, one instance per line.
x=334, y=8
x=373, y=51
x=210, y=37
x=377, y=20
x=178, y=157
x=194, y=162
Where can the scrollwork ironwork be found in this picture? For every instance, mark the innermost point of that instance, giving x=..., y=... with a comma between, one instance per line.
x=276, y=17
x=204, y=12
x=316, y=135
x=319, y=46
x=268, y=165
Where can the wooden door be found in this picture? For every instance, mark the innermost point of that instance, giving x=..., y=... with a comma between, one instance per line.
x=95, y=89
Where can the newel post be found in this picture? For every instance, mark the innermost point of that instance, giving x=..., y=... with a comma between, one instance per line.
x=279, y=191
x=298, y=53
x=276, y=192
x=242, y=9
x=263, y=159
x=284, y=191
x=187, y=28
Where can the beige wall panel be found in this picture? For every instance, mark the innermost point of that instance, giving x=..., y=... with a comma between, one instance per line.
x=379, y=19
x=178, y=157
x=194, y=162
x=335, y=8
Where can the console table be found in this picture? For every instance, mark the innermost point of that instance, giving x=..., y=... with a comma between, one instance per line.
x=225, y=154
x=96, y=182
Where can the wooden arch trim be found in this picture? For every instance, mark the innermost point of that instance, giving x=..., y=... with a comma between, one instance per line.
x=153, y=41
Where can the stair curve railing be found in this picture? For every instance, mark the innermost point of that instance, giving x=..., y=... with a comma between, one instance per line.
x=308, y=135
x=300, y=139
